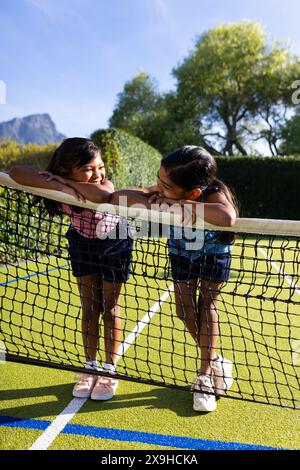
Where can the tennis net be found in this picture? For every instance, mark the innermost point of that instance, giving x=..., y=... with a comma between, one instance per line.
x=258, y=307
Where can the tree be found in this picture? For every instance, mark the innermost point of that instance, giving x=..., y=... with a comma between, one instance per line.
x=139, y=109
x=290, y=134
x=179, y=128
x=157, y=119
x=274, y=97
x=232, y=78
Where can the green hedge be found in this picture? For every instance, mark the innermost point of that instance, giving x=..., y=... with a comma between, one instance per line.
x=265, y=187
x=129, y=162
x=12, y=153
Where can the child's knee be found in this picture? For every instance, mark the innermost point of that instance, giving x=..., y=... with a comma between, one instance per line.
x=111, y=312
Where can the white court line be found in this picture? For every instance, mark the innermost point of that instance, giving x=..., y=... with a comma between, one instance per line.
x=141, y=324
x=49, y=435
x=279, y=270
x=55, y=428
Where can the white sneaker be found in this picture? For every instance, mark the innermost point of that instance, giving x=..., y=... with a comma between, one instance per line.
x=84, y=387
x=222, y=375
x=104, y=389
x=204, y=401
x=109, y=368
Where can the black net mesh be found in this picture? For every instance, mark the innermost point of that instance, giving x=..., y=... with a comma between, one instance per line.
x=41, y=309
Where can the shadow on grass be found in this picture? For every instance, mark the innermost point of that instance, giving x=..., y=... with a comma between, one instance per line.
x=161, y=398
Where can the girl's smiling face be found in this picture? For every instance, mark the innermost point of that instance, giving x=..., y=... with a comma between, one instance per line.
x=91, y=172
x=169, y=190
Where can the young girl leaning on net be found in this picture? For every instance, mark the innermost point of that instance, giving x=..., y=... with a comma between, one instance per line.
x=100, y=265
x=187, y=178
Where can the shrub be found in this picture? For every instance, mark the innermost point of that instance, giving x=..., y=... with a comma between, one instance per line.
x=129, y=161
x=12, y=153
x=266, y=187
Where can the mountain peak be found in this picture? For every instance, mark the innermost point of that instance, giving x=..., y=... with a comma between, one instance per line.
x=35, y=128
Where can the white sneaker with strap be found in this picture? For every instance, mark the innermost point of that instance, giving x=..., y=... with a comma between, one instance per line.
x=84, y=387
x=204, y=400
x=222, y=375
x=105, y=388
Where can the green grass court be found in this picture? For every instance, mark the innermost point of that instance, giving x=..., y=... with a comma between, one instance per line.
x=30, y=392
x=41, y=313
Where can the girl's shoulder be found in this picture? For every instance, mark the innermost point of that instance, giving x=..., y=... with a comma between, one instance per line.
x=214, y=194
x=209, y=191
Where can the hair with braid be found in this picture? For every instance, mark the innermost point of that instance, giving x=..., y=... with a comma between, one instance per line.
x=192, y=167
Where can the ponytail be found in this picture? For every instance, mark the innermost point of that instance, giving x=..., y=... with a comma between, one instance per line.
x=191, y=167
x=213, y=183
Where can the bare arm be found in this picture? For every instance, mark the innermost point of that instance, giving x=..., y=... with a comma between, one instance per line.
x=217, y=210
x=29, y=176
x=129, y=197
x=100, y=193
x=147, y=191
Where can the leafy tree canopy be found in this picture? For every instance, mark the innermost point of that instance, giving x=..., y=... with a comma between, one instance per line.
x=233, y=89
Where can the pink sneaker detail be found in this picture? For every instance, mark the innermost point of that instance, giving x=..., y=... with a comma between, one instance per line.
x=84, y=386
x=104, y=389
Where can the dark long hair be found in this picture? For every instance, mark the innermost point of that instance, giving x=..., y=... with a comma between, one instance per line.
x=73, y=152
x=192, y=167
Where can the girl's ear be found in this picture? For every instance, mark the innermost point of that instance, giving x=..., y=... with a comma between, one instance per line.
x=195, y=194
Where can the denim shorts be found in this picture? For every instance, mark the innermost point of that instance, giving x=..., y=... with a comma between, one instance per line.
x=213, y=268
x=111, y=259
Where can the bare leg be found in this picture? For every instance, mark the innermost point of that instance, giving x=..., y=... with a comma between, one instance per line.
x=209, y=323
x=200, y=318
x=92, y=305
x=112, y=320
x=186, y=306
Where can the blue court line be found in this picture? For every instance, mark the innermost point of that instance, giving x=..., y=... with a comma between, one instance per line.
x=179, y=442
x=31, y=275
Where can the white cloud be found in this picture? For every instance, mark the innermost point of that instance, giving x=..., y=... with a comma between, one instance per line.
x=165, y=15
x=58, y=10
x=166, y=25
x=162, y=9
x=42, y=5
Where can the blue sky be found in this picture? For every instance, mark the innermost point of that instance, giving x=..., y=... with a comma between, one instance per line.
x=71, y=58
